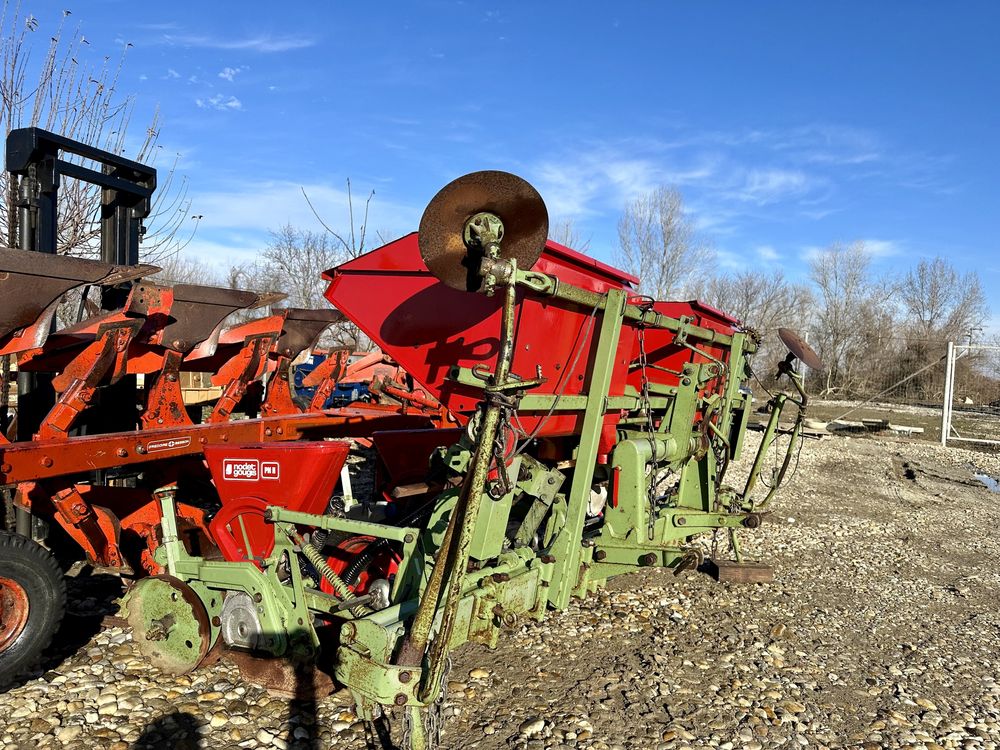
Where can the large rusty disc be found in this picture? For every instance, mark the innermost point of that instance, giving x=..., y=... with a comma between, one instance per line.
x=797, y=346
x=517, y=204
x=169, y=623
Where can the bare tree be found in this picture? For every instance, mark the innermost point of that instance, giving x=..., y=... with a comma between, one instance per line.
x=854, y=318
x=565, y=232
x=66, y=94
x=182, y=269
x=941, y=303
x=657, y=243
x=352, y=242
x=293, y=263
x=764, y=301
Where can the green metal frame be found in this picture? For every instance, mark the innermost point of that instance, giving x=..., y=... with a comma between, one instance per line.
x=397, y=656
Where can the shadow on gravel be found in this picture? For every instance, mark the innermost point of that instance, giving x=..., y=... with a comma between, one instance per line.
x=177, y=731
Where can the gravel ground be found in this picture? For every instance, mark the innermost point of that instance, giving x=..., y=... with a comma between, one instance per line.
x=881, y=630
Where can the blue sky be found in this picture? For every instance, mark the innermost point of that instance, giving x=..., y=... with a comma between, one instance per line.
x=786, y=125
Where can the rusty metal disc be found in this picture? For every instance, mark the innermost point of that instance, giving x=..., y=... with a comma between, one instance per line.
x=797, y=346
x=512, y=199
x=169, y=623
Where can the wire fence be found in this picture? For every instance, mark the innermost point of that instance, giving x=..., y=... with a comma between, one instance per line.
x=903, y=381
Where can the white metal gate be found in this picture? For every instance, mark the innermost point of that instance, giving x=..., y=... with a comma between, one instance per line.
x=948, y=431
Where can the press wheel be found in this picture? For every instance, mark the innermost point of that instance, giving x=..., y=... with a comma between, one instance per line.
x=169, y=623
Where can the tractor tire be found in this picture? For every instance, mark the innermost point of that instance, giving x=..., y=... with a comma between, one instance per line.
x=32, y=604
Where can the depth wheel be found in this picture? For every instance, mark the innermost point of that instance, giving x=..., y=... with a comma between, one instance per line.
x=169, y=623
x=32, y=603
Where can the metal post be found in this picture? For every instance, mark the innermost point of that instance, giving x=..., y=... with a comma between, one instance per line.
x=949, y=372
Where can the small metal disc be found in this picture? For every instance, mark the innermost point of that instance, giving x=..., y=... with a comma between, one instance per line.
x=517, y=204
x=797, y=346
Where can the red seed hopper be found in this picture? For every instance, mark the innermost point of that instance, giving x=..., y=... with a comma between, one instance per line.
x=431, y=328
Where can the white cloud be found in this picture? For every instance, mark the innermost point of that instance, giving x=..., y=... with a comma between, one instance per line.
x=229, y=73
x=881, y=248
x=762, y=186
x=220, y=102
x=730, y=261
x=767, y=253
x=171, y=73
x=264, y=43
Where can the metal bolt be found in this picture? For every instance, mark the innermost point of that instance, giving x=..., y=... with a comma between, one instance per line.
x=121, y=452
x=405, y=677
x=686, y=381
x=216, y=621
x=348, y=632
x=267, y=432
x=408, y=539
x=400, y=700
x=172, y=377
x=600, y=554
x=258, y=598
x=79, y=508
x=501, y=577
x=547, y=558
x=281, y=430
x=6, y=468
x=46, y=461
x=681, y=520
x=648, y=559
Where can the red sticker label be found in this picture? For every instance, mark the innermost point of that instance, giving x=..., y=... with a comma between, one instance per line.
x=270, y=470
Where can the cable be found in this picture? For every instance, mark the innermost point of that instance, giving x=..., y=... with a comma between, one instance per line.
x=578, y=349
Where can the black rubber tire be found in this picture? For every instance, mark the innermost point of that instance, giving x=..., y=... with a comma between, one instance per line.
x=35, y=569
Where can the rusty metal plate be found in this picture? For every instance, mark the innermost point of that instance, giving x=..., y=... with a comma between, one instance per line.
x=198, y=311
x=280, y=677
x=30, y=282
x=728, y=571
x=512, y=199
x=302, y=329
x=797, y=346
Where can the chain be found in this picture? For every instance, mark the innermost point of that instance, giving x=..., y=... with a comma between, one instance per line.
x=500, y=441
x=372, y=740
x=433, y=716
x=435, y=712
x=407, y=730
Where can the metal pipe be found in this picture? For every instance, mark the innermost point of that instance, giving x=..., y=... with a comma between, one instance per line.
x=22, y=521
x=469, y=509
x=454, y=551
x=765, y=444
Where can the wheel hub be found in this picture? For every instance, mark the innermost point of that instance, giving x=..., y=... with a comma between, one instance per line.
x=14, y=609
